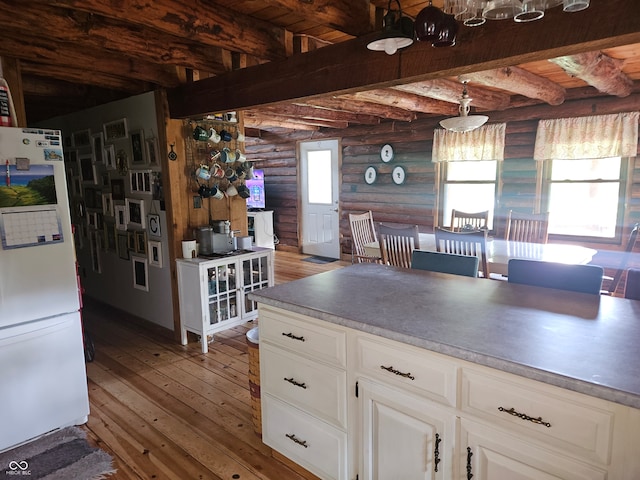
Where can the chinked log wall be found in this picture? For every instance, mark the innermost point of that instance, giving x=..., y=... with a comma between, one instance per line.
x=415, y=201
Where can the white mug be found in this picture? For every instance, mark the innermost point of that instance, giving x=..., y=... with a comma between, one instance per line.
x=232, y=191
x=189, y=249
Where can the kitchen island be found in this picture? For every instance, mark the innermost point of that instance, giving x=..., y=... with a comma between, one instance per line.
x=449, y=345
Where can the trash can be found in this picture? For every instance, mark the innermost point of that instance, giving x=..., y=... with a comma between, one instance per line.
x=254, y=379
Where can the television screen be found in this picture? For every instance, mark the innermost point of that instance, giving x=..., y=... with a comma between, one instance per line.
x=256, y=190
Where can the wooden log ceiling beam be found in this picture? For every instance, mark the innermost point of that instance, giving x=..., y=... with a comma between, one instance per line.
x=307, y=112
x=355, y=106
x=408, y=101
x=260, y=121
x=60, y=54
x=197, y=20
x=450, y=91
x=598, y=70
x=99, y=34
x=348, y=67
x=517, y=80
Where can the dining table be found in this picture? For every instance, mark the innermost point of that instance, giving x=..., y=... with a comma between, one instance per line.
x=500, y=251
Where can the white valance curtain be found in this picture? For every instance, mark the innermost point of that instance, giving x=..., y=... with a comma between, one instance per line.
x=597, y=136
x=484, y=143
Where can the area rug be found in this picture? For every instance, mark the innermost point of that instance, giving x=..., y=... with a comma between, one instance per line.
x=316, y=259
x=61, y=455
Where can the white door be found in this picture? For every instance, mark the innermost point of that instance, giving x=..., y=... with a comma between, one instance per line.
x=319, y=168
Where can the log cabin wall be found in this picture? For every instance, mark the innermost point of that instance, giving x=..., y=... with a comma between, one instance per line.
x=415, y=201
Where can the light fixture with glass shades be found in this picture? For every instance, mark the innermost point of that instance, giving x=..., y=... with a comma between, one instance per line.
x=397, y=32
x=464, y=122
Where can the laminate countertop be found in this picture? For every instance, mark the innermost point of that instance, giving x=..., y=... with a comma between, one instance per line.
x=585, y=343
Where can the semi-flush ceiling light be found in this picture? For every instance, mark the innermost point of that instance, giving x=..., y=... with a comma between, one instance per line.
x=465, y=122
x=397, y=32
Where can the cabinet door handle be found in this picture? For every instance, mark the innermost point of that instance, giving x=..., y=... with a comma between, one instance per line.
x=297, y=384
x=292, y=336
x=398, y=372
x=524, y=416
x=436, y=453
x=469, y=468
x=293, y=438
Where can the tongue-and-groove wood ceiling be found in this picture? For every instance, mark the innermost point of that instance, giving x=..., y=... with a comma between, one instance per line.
x=303, y=63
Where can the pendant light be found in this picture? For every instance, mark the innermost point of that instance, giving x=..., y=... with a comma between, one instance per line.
x=397, y=32
x=435, y=26
x=464, y=122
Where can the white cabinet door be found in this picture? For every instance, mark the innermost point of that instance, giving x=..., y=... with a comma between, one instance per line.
x=403, y=436
x=487, y=453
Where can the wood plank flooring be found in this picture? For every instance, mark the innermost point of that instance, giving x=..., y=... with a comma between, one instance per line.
x=167, y=411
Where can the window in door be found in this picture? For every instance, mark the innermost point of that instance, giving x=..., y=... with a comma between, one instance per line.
x=586, y=197
x=469, y=187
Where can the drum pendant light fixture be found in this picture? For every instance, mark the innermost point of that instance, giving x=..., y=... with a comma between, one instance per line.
x=397, y=32
x=465, y=122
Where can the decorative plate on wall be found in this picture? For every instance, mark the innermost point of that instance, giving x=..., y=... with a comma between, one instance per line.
x=399, y=175
x=370, y=175
x=386, y=153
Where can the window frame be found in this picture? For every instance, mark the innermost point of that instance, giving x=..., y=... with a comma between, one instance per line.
x=623, y=181
x=442, y=182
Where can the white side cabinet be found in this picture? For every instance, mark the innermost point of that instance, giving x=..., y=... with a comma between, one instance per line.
x=213, y=294
x=392, y=411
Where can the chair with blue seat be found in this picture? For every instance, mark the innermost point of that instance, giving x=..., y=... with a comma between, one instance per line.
x=445, y=263
x=561, y=276
x=632, y=285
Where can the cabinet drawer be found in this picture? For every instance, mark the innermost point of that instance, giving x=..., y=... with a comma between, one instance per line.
x=313, y=444
x=408, y=366
x=303, y=334
x=314, y=387
x=567, y=420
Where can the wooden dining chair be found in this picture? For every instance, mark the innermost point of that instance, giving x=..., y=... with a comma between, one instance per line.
x=472, y=243
x=445, y=263
x=469, y=221
x=362, y=232
x=633, y=237
x=561, y=276
x=632, y=285
x=527, y=227
x=397, y=244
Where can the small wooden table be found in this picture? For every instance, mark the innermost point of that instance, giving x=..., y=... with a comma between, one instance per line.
x=499, y=252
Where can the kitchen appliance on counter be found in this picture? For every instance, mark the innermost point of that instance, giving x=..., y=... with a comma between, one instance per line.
x=43, y=376
x=216, y=238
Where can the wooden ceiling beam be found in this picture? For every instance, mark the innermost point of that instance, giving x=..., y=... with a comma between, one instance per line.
x=319, y=113
x=210, y=24
x=99, y=34
x=450, y=91
x=598, y=70
x=408, y=101
x=349, y=67
x=519, y=81
x=356, y=106
x=263, y=122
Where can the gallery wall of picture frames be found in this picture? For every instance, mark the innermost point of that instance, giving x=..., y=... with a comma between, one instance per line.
x=398, y=173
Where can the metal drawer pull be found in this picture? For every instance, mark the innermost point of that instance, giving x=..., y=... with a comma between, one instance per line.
x=469, y=469
x=398, y=372
x=293, y=438
x=293, y=382
x=523, y=416
x=292, y=336
x=436, y=453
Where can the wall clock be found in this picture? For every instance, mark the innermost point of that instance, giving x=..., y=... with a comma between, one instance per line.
x=370, y=175
x=386, y=153
x=398, y=175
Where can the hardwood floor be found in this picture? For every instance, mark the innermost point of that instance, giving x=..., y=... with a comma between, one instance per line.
x=167, y=411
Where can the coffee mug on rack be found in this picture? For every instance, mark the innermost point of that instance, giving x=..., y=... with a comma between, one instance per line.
x=226, y=136
x=216, y=193
x=232, y=191
x=217, y=171
x=240, y=172
x=228, y=155
x=231, y=175
x=200, y=134
x=214, y=136
x=240, y=157
x=203, y=172
x=243, y=191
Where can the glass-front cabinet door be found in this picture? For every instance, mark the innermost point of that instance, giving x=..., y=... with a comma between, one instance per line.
x=223, y=292
x=256, y=272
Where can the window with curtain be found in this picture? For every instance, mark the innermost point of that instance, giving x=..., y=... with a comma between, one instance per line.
x=585, y=170
x=469, y=166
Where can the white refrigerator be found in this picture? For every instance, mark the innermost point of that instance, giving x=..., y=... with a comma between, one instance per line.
x=43, y=383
